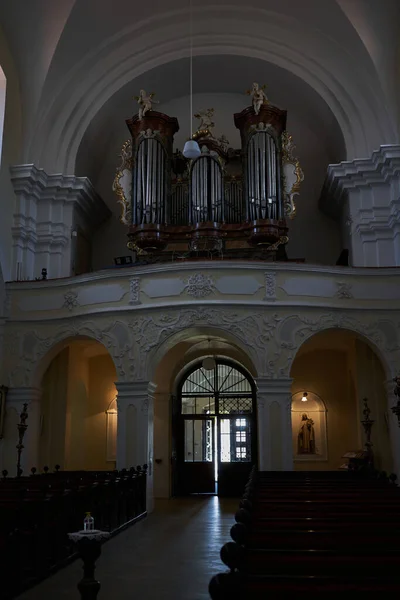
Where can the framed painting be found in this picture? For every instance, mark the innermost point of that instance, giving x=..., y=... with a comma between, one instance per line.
x=3, y=395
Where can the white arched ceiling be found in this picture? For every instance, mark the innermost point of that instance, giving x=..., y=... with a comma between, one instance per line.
x=224, y=76
x=105, y=45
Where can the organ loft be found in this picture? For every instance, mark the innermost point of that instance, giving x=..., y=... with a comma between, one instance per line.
x=220, y=202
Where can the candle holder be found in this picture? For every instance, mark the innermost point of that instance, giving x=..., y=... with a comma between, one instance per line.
x=367, y=423
x=22, y=427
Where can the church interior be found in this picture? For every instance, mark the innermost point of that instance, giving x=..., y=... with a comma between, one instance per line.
x=199, y=298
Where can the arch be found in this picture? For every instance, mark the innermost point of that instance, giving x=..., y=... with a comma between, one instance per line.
x=44, y=361
x=78, y=425
x=245, y=355
x=359, y=106
x=371, y=336
x=342, y=366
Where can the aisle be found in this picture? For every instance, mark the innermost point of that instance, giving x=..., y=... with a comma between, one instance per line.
x=171, y=555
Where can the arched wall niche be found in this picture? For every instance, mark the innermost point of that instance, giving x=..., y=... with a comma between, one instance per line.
x=309, y=434
x=77, y=412
x=309, y=53
x=342, y=367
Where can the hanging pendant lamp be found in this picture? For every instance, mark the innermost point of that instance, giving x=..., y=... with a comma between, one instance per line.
x=191, y=148
x=209, y=363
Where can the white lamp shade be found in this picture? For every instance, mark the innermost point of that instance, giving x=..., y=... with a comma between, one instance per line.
x=191, y=149
x=209, y=363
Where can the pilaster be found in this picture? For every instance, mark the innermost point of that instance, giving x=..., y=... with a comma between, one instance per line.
x=48, y=209
x=16, y=398
x=274, y=402
x=135, y=437
x=394, y=428
x=365, y=194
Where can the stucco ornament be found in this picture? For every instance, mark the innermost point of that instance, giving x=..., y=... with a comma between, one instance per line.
x=253, y=330
x=27, y=349
x=293, y=331
x=138, y=342
x=70, y=300
x=199, y=285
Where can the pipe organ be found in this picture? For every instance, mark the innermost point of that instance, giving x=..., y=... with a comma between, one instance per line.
x=233, y=202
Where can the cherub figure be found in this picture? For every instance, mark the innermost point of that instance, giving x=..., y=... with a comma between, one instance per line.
x=145, y=103
x=259, y=97
x=205, y=117
x=224, y=142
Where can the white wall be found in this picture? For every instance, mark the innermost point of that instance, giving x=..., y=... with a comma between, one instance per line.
x=313, y=236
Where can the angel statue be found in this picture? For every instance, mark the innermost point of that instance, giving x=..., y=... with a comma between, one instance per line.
x=145, y=103
x=259, y=97
x=205, y=116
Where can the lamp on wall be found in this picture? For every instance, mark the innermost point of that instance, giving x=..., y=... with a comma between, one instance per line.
x=191, y=148
x=304, y=398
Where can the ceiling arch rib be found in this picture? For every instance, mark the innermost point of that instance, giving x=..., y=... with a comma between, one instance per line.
x=356, y=102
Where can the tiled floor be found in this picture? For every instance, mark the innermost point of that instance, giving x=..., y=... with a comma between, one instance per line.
x=170, y=555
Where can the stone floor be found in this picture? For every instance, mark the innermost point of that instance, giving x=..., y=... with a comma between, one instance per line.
x=170, y=555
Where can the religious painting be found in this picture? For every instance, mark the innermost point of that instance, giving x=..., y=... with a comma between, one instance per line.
x=3, y=394
x=309, y=428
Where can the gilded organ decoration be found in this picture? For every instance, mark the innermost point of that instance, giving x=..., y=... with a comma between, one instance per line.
x=122, y=184
x=206, y=123
x=292, y=174
x=231, y=201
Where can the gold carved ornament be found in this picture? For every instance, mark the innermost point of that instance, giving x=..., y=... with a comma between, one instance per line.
x=126, y=165
x=288, y=158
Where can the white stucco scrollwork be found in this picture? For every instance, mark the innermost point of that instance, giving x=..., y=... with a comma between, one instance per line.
x=293, y=331
x=27, y=349
x=199, y=285
x=137, y=341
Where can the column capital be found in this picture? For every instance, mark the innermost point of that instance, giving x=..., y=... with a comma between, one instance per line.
x=266, y=385
x=132, y=389
x=21, y=395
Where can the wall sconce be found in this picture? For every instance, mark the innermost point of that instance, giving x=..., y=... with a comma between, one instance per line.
x=304, y=398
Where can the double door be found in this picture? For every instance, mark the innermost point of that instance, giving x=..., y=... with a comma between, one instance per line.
x=217, y=454
x=216, y=444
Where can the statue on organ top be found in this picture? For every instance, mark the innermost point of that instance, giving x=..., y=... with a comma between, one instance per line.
x=145, y=102
x=259, y=97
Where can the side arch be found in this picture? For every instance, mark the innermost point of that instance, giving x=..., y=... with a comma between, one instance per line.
x=380, y=336
x=245, y=355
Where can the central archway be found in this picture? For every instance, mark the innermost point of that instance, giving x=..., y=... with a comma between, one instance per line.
x=214, y=428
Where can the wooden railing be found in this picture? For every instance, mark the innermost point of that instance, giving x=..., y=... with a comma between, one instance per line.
x=38, y=512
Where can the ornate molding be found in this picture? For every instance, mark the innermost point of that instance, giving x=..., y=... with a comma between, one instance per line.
x=138, y=342
x=199, y=285
x=134, y=291
x=343, y=290
x=270, y=286
x=70, y=300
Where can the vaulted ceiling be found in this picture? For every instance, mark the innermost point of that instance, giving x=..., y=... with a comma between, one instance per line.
x=74, y=61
